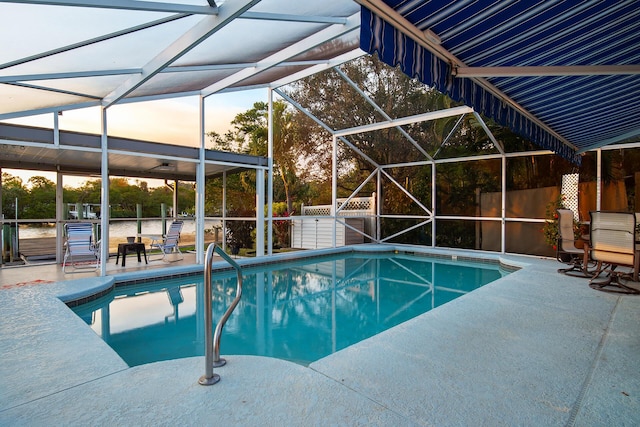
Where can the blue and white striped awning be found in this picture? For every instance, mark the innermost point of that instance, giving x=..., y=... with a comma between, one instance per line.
x=564, y=74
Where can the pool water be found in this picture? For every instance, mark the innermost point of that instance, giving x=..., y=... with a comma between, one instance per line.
x=299, y=311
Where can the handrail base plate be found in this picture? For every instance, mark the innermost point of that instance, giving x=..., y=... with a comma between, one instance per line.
x=209, y=381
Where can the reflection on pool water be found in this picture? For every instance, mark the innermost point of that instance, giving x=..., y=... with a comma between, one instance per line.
x=299, y=311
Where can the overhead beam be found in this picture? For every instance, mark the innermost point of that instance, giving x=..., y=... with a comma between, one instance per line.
x=345, y=57
x=71, y=75
x=46, y=110
x=53, y=90
x=196, y=35
x=432, y=115
x=170, y=69
x=231, y=66
x=293, y=18
x=551, y=70
x=148, y=6
x=322, y=36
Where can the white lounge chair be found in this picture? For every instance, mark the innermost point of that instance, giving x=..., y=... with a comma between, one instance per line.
x=81, y=253
x=168, y=244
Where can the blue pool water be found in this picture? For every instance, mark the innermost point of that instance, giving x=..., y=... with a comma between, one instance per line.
x=300, y=311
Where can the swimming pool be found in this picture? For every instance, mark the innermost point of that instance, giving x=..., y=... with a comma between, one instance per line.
x=299, y=311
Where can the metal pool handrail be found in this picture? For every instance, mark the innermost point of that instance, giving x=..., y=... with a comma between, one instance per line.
x=212, y=341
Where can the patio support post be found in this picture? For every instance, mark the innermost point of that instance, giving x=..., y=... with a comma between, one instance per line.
x=200, y=189
x=56, y=128
x=433, y=204
x=260, y=212
x=175, y=200
x=334, y=186
x=599, y=179
x=1, y=224
x=104, y=198
x=59, y=218
x=139, y=220
x=378, y=206
x=503, y=209
x=59, y=193
x=163, y=217
x=270, y=175
x=224, y=210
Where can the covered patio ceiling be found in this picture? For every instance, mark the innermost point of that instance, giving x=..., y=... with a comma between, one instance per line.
x=78, y=153
x=564, y=75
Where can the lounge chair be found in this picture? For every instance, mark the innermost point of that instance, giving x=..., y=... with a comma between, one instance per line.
x=578, y=258
x=81, y=253
x=168, y=243
x=612, y=243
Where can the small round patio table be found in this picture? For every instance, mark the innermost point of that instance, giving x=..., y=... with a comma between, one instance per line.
x=123, y=248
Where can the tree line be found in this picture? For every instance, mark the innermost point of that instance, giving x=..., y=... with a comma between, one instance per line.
x=36, y=198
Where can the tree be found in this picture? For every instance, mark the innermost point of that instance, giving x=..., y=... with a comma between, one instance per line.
x=41, y=200
x=12, y=190
x=250, y=136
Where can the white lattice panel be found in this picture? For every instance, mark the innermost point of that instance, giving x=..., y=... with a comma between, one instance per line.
x=570, y=193
x=355, y=206
x=324, y=210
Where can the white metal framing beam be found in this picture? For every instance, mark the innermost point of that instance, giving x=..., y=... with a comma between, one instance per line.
x=64, y=92
x=230, y=66
x=453, y=130
x=406, y=230
x=356, y=53
x=293, y=18
x=149, y=6
x=17, y=78
x=68, y=75
x=80, y=105
x=432, y=115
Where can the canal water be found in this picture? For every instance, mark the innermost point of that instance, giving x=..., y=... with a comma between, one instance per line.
x=117, y=228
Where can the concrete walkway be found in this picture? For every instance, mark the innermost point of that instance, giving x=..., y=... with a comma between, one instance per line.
x=531, y=349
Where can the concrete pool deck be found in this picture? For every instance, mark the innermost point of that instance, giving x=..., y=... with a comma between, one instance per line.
x=533, y=348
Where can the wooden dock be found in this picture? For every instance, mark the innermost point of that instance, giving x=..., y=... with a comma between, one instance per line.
x=38, y=249
x=44, y=248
